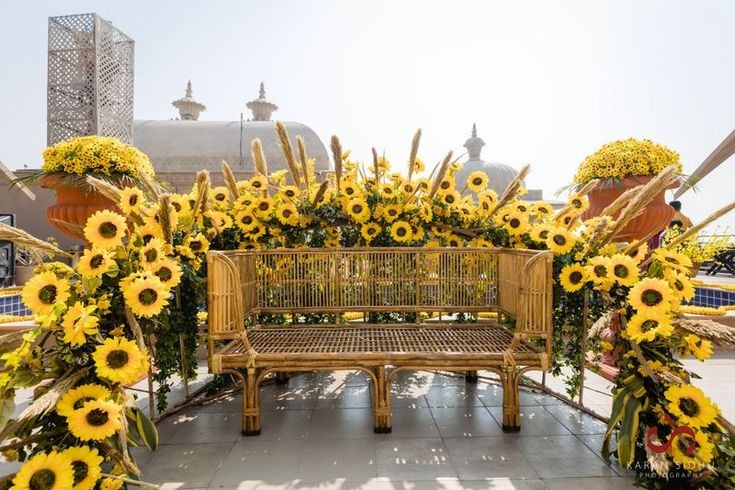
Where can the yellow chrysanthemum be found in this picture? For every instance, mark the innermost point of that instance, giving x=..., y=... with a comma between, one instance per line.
x=146, y=295
x=43, y=291
x=168, y=271
x=477, y=181
x=287, y=214
x=624, y=269
x=692, y=455
x=105, y=229
x=96, y=420
x=573, y=277
x=700, y=348
x=646, y=326
x=52, y=471
x=357, y=209
x=120, y=360
x=79, y=322
x=94, y=262
x=86, y=463
x=517, y=223
x=560, y=241
x=369, y=231
x=75, y=398
x=131, y=200
x=400, y=231
x=651, y=295
x=675, y=260
x=689, y=405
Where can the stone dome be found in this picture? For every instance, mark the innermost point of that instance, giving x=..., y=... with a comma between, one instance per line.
x=191, y=145
x=500, y=174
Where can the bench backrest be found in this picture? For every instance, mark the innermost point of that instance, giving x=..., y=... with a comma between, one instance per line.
x=245, y=284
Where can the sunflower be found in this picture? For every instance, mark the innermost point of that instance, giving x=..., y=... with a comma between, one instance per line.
x=79, y=322
x=417, y=233
x=263, y=207
x=691, y=454
x=680, y=284
x=258, y=183
x=573, y=277
x=408, y=187
x=560, y=241
x=52, y=471
x=651, y=295
x=441, y=230
x=287, y=214
x=153, y=251
x=700, y=348
x=454, y=241
x=487, y=200
x=256, y=231
x=220, y=195
x=387, y=190
x=477, y=181
x=198, y=243
x=149, y=231
x=96, y=420
x=640, y=253
x=646, y=326
x=120, y=360
x=43, y=291
x=246, y=200
x=290, y=192
x=675, y=260
x=357, y=209
x=168, y=271
x=180, y=204
x=446, y=185
x=689, y=405
x=76, y=397
x=369, y=231
x=540, y=232
x=578, y=203
x=418, y=166
x=542, y=209
x=86, y=464
x=131, y=200
x=400, y=231
x=450, y=198
x=624, y=269
x=145, y=294
x=245, y=220
x=105, y=229
x=391, y=213
x=111, y=483
x=517, y=223
x=94, y=262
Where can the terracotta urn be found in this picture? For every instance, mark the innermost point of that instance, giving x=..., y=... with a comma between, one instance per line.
x=74, y=205
x=655, y=217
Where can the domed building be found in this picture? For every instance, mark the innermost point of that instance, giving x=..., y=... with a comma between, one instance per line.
x=500, y=174
x=179, y=148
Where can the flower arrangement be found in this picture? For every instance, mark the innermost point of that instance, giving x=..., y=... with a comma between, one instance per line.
x=97, y=155
x=698, y=248
x=132, y=278
x=626, y=158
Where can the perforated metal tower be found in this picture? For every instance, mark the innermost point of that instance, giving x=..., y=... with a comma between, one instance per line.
x=90, y=79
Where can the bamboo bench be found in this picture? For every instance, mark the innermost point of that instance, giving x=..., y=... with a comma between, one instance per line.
x=248, y=290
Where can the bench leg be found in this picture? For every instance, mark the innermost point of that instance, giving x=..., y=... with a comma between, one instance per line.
x=250, y=405
x=511, y=401
x=470, y=377
x=383, y=423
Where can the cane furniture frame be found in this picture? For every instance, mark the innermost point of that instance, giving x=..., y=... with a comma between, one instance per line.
x=247, y=290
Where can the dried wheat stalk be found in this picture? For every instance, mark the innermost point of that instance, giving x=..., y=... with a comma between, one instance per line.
x=21, y=237
x=513, y=188
x=720, y=335
x=414, y=153
x=230, y=181
x=202, y=185
x=376, y=166
x=164, y=214
x=440, y=174
x=110, y=191
x=336, y=148
x=285, y=144
x=261, y=164
x=320, y=193
x=304, y=160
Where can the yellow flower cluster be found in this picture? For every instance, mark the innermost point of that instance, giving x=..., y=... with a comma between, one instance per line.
x=703, y=310
x=625, y=158
x=96, y=155
x=698, y=248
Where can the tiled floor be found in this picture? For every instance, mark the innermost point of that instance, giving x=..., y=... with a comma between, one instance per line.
x=317, y=433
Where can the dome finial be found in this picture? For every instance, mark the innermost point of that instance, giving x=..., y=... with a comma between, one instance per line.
x=189, y=109
x=260, y=107
x=474, y=144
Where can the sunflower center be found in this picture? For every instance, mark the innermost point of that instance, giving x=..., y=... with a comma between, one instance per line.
x=445, y=184
x=477, y=181
x=148, y=296
x=649, y=325
x=544, y=234
x=286, y=213
x=133, y=200
x=357, y=208
x=81, y=470
x=176, y=206
x=621, y=271
x=117, y=359
x=263, y=206
x=651, y=297
x=246, y=220
x=600, y=270
x=560, y=240
x=108, y=229
x=47, y=294
x=291, y=193
x=689, y=407
x=151, y=255
x=575, y=277
x=577, y=203
x=256, y=184
x=42, y=480
x=96, y=261
x=401, y=232
x=514, y=223
x=195, y=245
x=220, y=197
x=98, y=417
x=80, y=403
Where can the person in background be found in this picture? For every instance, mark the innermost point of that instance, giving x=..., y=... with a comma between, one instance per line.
x=686, y=223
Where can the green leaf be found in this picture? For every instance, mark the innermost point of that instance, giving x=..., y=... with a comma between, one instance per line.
x=7, y=407
x=147, y=430
x=628, y=434
x=619, y=398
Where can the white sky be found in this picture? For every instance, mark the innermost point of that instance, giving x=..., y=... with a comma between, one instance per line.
x=547, y=82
